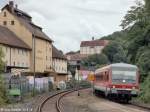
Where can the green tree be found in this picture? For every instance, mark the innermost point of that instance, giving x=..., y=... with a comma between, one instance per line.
x=2, y=88
x=136, y=14
x=145, y=90
x=95, y=60
x=72, y=69
x=1, y=61
x=147, y=6
x=134, y=43
x=143, y=61
x=115, y=52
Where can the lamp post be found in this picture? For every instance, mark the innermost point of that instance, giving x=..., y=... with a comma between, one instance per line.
x=78, y=68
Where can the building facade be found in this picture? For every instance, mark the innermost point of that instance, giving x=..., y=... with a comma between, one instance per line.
x=59, y=65
x=92, y=47
x=32, y=35
x=16, y=52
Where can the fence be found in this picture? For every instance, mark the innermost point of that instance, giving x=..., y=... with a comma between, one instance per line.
x=26, y=84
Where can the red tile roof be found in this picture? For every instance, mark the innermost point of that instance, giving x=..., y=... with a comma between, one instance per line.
x=94, y=43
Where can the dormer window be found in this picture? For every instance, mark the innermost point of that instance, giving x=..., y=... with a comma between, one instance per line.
x=12, y=22
x=5, y=14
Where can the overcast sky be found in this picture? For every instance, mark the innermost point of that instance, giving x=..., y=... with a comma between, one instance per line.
x=68, y=22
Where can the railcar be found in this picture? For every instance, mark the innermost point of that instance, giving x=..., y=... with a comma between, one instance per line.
x=119, y=81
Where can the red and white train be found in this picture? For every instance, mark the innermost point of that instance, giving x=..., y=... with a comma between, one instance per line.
x=118, y=80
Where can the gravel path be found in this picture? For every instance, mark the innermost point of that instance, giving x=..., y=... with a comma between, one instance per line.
x=27, y=105
x=87, y=102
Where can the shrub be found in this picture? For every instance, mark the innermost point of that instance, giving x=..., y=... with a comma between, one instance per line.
x=145, y=90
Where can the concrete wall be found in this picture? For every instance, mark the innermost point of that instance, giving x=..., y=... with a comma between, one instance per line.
x=91, y=50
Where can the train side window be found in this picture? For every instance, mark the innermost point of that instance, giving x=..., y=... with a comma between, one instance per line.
x=107, y=75
x=98, y=77
x=101, y=76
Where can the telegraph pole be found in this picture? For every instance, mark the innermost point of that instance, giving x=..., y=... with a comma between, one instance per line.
x=78, y=68
x=33, y=47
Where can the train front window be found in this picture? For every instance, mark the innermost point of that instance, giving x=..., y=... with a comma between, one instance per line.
x=123, y=76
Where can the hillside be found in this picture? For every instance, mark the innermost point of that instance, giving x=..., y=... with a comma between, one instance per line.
x=134, y=42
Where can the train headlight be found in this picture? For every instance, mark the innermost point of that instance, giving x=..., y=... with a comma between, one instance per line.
x=114, y=87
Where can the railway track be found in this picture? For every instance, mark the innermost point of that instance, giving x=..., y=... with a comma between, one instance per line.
x=52, y=103
x=139, y=106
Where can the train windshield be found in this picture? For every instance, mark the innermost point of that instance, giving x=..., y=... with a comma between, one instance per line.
x=123, y=76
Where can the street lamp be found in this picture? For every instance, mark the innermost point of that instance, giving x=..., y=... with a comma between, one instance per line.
x=78, y=68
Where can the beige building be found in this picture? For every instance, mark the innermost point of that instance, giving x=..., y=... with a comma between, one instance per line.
x=21, y=24
x=16, y=52
x=59, y=65
x=92, y=47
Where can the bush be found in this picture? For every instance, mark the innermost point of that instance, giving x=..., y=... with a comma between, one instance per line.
x=145, y=90
x=3, y=97
x=85, y=84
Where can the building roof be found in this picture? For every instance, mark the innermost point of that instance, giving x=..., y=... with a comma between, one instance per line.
x=123, y=65
x=118, y=65
x=7, y=37
x=77, y=57
x=26, y=20
x=57, y=53
x=94, y=43
x=72, y=52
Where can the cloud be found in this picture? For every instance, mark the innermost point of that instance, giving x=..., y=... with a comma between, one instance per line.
x=68, y=22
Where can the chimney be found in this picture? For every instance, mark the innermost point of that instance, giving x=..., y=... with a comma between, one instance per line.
x=92, y=38
x=11, y=6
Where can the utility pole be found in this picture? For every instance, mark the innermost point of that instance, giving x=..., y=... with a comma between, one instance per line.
x=78, y=68
x=33, y=47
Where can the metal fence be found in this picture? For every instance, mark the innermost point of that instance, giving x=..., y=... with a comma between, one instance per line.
x=25, y=84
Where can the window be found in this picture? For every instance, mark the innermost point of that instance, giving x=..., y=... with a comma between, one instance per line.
x=26, y=64
x=18, y=64
x=7, y=62
x=5, y=14
x=18, y=51
x=14, y=50
x=5, y=23
x=12, y=22
x=122, y=76
x=14, y=63
x=23, y=64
